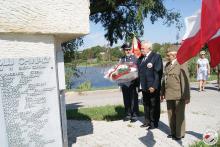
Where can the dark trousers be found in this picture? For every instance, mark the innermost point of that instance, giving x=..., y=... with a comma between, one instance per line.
x=130, y=97
x=151, y=102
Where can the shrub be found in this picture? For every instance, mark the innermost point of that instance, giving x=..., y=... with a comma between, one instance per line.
x=87, y=85
x=192, y=67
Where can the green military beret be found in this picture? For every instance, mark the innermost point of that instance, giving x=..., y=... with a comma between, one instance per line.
x=172, y=48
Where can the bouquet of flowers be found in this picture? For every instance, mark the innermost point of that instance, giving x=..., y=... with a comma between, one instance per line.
x=122, y=72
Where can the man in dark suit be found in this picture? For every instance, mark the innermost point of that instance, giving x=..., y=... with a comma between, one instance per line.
x=129, y=89
x=150, y=68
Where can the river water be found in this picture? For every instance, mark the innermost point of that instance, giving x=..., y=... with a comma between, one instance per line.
x=93, y=74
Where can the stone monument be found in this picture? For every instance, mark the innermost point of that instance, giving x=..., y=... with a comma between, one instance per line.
x=32, y=104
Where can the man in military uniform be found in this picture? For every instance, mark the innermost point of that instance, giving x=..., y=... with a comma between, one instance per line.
x=129, y=89
x=176, y=91
x=150, y=68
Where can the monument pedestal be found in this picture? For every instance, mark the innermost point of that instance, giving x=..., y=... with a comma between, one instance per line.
x=29, y=90
x=32, y=79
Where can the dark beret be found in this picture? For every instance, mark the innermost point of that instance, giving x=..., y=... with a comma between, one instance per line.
x=126, y=45
x=172, y=48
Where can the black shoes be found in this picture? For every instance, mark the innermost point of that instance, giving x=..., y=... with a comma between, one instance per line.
x=156, y=125
x=170, y=136
x=131, y=118
x=126, y=118
x=177, y=138
x=174, y=137
x=134, y=117
x=145, y=125
x=150, y=126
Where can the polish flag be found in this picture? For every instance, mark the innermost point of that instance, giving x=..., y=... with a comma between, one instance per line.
x=211, y=29
x=214, y=50
x=202, y=28
x=191, y=44
x=136, y=47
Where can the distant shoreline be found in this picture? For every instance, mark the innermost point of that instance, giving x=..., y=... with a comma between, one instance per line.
x=110, y=63
x=117, y=87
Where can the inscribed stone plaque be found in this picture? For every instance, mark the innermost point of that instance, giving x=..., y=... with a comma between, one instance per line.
x=29, y=97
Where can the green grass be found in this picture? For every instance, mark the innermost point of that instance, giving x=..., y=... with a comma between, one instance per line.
x=85, y=86
x=94, y=89
x=107, y=113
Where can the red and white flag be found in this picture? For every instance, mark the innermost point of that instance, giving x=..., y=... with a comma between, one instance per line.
x=136, y=47
x=202, y=28
x=211, y=28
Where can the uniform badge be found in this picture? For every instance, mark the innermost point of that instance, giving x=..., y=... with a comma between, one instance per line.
x=149, y=65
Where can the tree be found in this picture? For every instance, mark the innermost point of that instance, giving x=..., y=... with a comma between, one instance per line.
x=70, y=49
x=115, y=53
x=120, y=18
x=156, y=47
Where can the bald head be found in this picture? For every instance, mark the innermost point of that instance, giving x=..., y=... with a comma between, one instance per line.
x=146, y=46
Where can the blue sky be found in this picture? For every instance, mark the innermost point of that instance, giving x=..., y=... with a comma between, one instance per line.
x=156, y=32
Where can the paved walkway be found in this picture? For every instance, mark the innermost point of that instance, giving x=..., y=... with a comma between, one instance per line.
x=75, y=100
x=201, y=114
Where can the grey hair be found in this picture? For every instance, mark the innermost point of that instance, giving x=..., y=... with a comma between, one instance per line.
x=149, y=44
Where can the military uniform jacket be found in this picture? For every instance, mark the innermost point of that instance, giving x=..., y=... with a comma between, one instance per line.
x=175, y=85
x=130, y=58
x=150, y=71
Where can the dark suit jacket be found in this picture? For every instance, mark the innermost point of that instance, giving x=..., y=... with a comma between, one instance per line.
x=150, y=71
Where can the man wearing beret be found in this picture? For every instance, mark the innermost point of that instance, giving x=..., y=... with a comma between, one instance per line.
x=129, y=89
x=150, y=69
x=176, y=90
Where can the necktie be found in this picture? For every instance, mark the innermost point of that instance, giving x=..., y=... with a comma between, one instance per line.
x=145, y=58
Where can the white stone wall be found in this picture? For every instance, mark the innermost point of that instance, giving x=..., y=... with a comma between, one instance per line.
x=18, y=45
x=59, y=17
x=14, y=47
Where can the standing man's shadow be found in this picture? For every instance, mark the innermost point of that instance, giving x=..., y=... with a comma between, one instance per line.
x=195, y=134
x=149, y=140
